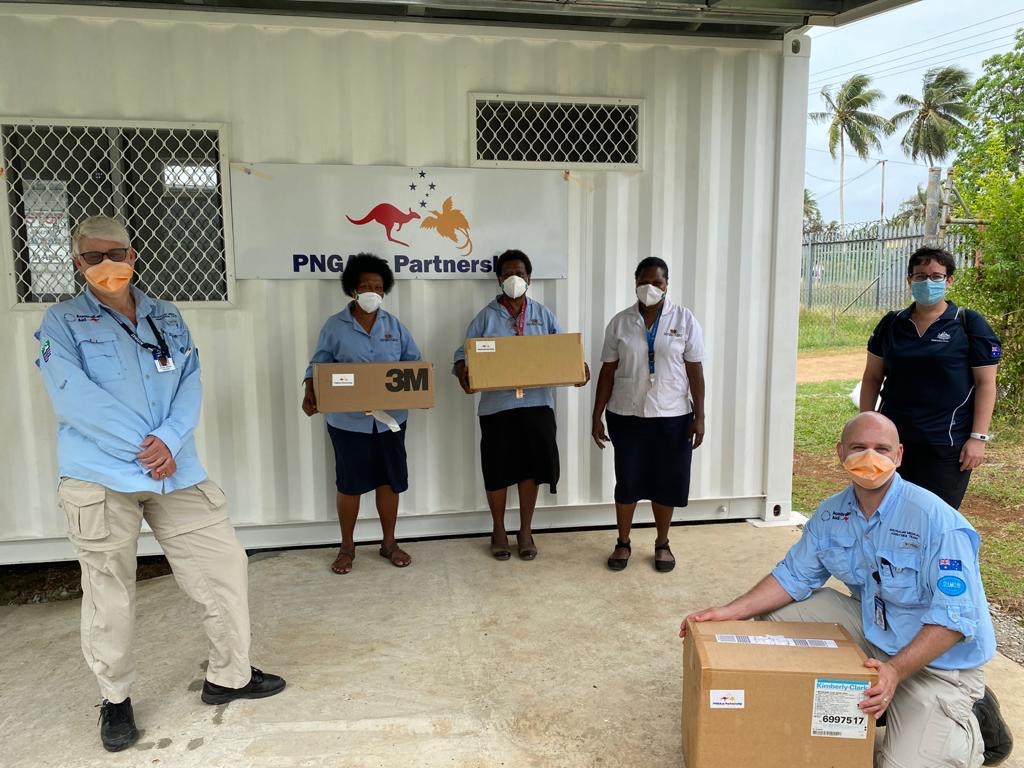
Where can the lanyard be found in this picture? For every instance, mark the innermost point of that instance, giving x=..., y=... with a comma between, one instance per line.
x=518, y=321
x=161, y=353
x=652, y=334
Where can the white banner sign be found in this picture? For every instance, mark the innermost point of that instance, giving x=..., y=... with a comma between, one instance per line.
x=303, y=221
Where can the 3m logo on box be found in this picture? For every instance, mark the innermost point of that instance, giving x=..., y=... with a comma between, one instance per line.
x=727, y=699
x=407, y=380
x=343, y=379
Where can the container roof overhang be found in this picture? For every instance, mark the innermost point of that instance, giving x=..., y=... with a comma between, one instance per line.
x=751, y=19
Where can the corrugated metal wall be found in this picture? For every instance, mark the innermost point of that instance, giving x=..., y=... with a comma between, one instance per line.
x=376, y=93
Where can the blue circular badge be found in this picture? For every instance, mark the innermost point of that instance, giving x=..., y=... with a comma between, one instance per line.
x=953, y=586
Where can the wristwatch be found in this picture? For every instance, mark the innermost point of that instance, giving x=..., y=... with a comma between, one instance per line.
x=981, y=436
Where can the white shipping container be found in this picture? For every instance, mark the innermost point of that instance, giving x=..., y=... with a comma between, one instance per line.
x=718, y=196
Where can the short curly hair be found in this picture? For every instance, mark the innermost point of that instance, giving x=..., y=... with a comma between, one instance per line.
x=927, y=253
x=513, y=255
x=360, y=263
x=648, y=263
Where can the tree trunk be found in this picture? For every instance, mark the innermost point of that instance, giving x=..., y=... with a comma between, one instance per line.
x=842, y=168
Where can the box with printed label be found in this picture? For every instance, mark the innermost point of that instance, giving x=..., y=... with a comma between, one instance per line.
x=363, y=387
x=522, y=362
x=775, y=695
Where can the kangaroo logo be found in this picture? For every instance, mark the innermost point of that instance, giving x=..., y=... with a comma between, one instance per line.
x=388, y=216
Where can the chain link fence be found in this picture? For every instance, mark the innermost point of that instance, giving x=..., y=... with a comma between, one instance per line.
x=556, y=131
x=863, y=267
x=164, y=184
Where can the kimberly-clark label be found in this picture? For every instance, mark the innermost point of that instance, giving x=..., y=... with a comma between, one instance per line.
x=727, y=699
x=835, y=713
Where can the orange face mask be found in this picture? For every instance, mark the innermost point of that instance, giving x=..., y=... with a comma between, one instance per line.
x=869, y=469
x=109, y=276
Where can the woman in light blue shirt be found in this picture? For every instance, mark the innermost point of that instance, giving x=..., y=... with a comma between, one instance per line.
x=368, y=455
x=517, y=435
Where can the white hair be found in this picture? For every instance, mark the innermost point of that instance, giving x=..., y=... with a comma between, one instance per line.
x=100, y=228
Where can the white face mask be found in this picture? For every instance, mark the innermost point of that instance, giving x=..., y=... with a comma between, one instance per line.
x=369, y=301
x=649, y=295
x=514, y=286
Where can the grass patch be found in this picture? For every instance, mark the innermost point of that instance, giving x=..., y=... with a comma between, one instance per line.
x=821, y=411
x=851, y=331
x=999, y=478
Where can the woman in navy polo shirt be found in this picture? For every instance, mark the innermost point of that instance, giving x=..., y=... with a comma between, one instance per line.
x=369, y=455
x=935, y=366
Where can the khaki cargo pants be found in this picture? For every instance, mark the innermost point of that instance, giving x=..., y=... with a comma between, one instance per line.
x=208, y=561
x=930, y=720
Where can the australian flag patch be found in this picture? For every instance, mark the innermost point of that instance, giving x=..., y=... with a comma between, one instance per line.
x=945, y=564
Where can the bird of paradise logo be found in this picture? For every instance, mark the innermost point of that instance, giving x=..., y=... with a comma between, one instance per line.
x=449, y=223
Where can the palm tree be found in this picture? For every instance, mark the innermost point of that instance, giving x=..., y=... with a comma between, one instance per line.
x=911, y=210
x=849, y=119
x=812, y=213
x=942, y=107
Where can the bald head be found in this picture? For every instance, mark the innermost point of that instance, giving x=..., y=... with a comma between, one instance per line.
x=870, y=430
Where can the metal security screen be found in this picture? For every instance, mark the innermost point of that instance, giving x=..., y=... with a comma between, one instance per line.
x=546, y=131
x=164, y=184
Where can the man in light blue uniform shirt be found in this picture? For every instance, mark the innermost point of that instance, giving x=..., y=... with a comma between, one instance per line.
x=918, y=607
x=122, y=372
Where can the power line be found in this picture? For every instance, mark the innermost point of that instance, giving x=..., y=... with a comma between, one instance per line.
x=820, y=178
x=877, y=159
x=928, y=39
x=848, y=182
x=934, y=51
x=903, y=69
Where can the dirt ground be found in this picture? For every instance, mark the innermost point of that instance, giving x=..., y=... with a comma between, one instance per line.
x=830, y=366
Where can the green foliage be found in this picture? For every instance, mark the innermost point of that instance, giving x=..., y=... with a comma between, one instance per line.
x=821, y=412
x=812, y=213
x=994, y=286
x=931, y=118
x=851, y=330
x=997, y=99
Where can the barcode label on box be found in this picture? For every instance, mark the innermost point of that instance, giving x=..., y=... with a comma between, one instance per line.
x=343, y=379
x=798, y=642
x=834, y=713
x=485, y=346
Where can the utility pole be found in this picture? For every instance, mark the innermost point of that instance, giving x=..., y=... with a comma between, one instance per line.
x=931, y=209
x=880, y=251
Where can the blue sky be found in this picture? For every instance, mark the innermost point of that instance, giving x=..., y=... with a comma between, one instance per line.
x=895, y=48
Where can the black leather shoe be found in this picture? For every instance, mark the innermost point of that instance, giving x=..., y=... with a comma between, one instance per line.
x=117, y=725
x=994, y=731
x=260, y=686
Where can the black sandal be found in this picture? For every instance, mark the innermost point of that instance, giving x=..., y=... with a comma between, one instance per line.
x=663, y=566
x=500, y=551
x=619, y=563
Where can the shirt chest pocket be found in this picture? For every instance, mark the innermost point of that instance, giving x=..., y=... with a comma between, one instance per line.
x=100, y=356
x=838, y=557
x=899, y=574
x=387, y=348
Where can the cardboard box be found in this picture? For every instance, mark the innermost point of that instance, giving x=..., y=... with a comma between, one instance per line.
x=362, y=387
x=522, y=362
x=774, y=695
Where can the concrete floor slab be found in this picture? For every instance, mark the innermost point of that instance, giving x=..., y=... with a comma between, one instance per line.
x=459, y=661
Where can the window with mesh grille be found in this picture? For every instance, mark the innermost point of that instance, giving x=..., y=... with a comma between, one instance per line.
x=528, y=131
x=163, y=184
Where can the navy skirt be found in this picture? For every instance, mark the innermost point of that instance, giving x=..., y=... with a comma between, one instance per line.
x=363, y=462
x=519, y=444
x=652, y=458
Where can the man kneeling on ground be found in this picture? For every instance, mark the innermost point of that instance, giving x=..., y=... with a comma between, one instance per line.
x=918, y=608
x=123, y=374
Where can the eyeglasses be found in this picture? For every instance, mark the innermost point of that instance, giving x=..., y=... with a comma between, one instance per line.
x=92, y=258
x=935, y=277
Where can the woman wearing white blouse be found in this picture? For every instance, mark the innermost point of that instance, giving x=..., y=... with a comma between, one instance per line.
x=652, y=383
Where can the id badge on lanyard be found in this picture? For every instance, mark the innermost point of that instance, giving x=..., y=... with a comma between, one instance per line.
x=163, y=364
x=652, y=335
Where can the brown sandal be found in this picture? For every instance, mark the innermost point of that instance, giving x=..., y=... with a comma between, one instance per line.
x=340, y=567
x=398, y=556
